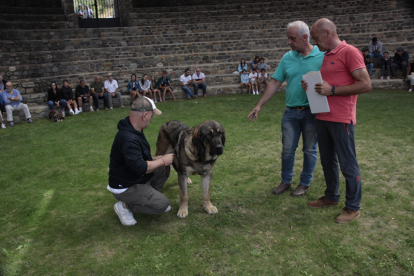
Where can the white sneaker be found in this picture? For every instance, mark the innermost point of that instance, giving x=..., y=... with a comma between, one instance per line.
x=160, y=100
x=155, y=101
x=91, y=109
x=3, y=125
x=71, y=112
x=76, y=112
x=125, y=216
x=168, y=209
x=409, y=90
x=63, y=112
x=110, y=108
x=80, y=110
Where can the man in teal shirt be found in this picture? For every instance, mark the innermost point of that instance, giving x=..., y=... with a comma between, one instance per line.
x=297, y=118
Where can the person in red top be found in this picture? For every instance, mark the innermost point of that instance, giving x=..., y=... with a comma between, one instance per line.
x=344, y=77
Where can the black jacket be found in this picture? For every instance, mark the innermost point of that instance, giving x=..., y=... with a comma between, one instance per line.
x=82, y=91
x=54, y=97
x=67, y=93
x=129, y=155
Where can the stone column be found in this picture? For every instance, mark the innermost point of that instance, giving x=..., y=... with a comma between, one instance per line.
x=69, y=10
x=125, y=11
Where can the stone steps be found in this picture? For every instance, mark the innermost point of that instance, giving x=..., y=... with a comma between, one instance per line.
x=33, y=3
x=6, y=10
x=11, y=25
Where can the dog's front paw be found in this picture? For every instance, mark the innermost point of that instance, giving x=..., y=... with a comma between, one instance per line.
x=182, y=212
x=211, y=209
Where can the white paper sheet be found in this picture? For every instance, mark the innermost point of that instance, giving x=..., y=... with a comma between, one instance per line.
x=318, y=103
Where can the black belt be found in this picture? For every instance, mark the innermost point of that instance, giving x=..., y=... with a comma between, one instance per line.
x=299, y=107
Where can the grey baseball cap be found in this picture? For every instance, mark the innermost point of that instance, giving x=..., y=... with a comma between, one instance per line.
x=400, y=49
x=145, y=104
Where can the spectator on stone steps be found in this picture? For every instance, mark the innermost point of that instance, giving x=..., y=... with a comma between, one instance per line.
x=145, y=86
x=111, y=87
x=261, y=65
x=244, y=77
x=368, y=61
x=254, y=64
x=83, y=94
x=79, y=12
x=67, y=94
x=12, y=99
x=262, y=78
x=164, y=85
x=410, y=75
x=98, y=92
x=54, y=97
x=199, y=80
x=155, y=90
x=133, y=88
x=2, y=88
x=385, y=64
x=88, y=13
x=400, y=62
x=185, y=81
x=253, y=81
x=242, y=65
x=375, y=49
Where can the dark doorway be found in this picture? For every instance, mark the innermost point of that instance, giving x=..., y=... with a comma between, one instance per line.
x=97, y=13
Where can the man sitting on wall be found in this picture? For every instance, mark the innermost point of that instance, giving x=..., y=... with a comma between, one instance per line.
x=12, y=99
x=83, y=94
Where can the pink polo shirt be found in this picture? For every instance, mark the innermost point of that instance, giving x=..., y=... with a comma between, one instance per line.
x=336, y=69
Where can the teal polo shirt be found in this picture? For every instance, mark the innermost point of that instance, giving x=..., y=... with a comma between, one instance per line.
x=291, y=68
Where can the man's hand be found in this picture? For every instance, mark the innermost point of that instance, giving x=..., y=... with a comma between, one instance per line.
x=323, y=88
x=254, y=113
x=168, y=159
x=304, y=85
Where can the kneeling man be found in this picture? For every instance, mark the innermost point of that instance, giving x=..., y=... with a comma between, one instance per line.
x=135, y=177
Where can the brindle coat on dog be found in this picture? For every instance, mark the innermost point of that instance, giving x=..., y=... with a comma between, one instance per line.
x=195, y=152
x=56, y=116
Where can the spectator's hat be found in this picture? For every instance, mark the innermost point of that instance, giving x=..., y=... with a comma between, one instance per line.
x=80, y=5
x=109, y=74
x=145, y=104
x=399, y=49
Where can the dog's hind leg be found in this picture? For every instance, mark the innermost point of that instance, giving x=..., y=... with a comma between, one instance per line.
x=182, y=182
x=205, y=183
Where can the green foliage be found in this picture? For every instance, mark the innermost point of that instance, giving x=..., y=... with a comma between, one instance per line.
x=58, y=219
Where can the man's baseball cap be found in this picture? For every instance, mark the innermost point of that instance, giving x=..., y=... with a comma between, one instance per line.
x=145, y=104
x=399, y=49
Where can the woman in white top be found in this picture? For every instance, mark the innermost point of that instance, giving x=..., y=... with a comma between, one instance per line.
x=145, y=86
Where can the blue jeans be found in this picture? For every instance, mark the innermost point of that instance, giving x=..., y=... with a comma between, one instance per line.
x=202, y=85
x=62, y=103
x=369, y=67
x=337, y=143
x=295, y=122
x=97, y=97
x=378, y=55
x=188, y=91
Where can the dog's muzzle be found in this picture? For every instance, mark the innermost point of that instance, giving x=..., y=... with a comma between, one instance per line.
x=218, y=150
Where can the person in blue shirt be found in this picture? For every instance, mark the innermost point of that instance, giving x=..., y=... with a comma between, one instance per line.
x=297, y=118
x=242, y=65
x=12, y=99
x=244, y=81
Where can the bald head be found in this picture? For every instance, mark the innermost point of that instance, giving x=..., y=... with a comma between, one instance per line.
x=9, y=86
x=324, y=24
x=324, y=35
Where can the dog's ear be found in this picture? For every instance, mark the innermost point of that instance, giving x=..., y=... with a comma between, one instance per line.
x=196, y=139
x=223, y=138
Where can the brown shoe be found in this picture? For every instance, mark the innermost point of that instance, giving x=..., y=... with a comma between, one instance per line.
x=322, y=202
x=347, y=215
x=281, y=188
x=300, y=190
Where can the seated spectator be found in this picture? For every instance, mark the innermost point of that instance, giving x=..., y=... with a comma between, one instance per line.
x=87, y=13
x=261, y=65
x=375, y=49
x=83, y=94
x=133, y=88
x=2, y=88
x=54, y=97
x=253, y=81
x=111, y=87
x=368, y=62
x=98, y=92
x=12, y=99
x=185, y=81
x=79, y=12
x=164, y=85
x=244, y=81
x=67, y=95
x=145, y=86
x=254, y=64
x=242, y=65
x=2, y=125
x=199, y=80
x=385, y=64
x=263, y=78
x=155, y=90
x=400, y=62
x=410, y=75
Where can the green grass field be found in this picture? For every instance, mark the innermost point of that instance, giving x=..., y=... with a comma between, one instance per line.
x=57, y=217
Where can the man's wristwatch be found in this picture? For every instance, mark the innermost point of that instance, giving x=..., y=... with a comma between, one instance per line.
x=333, y=91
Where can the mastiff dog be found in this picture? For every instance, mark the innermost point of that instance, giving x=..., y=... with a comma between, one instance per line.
x=56, y=116
x=195, y=151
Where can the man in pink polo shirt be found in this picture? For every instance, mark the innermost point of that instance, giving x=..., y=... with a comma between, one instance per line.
x=344, y=77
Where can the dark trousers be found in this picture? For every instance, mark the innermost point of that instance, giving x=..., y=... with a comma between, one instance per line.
x=396, y=66
x=336, y=141
x=96, y=100
x=147, y=198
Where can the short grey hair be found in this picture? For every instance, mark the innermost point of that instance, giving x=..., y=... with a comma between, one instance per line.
x=303, y=28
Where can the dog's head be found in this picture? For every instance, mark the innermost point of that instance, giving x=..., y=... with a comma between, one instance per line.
x=209, y=137
x=56, y=116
